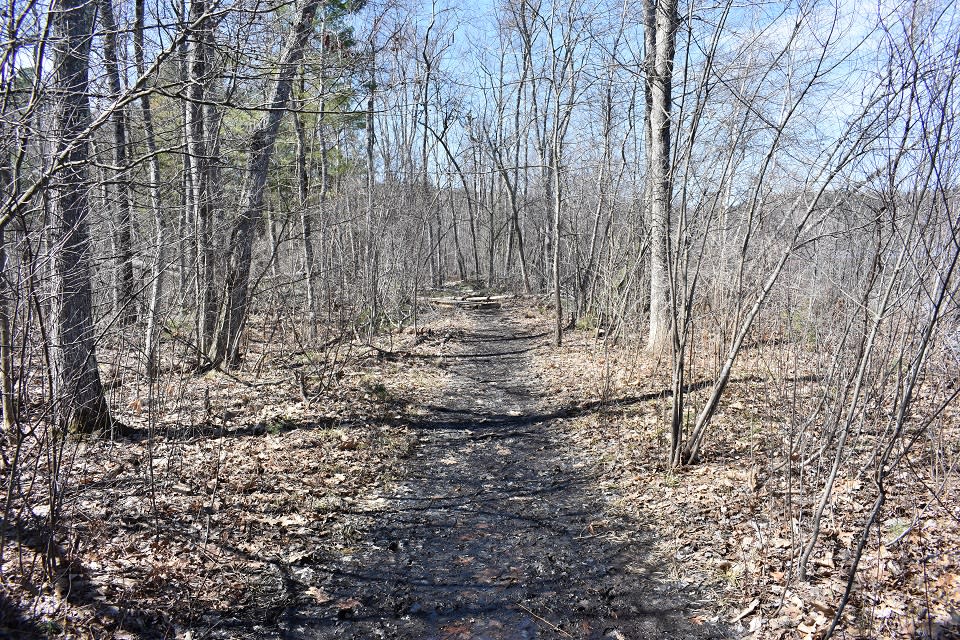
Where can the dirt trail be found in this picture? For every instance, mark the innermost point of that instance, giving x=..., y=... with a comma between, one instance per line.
x=497, y=531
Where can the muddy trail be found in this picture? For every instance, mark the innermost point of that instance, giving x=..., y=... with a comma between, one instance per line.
x=495, y=530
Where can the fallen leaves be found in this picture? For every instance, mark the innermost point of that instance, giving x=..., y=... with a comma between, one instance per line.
x=251, y=481
x=736, y=523
x=347, y=607
x=750, y=608
x=318, y=595
x=243, y=484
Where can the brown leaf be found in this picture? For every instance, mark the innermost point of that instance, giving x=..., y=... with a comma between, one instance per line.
x=807, y=627
x=348, y=605
x=319, y=595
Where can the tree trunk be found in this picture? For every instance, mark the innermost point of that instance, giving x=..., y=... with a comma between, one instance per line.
x=512, y=187
x=6, y=346
x=306, y=228
x=197, y=132
x=556, y=203
x=461, y=265
x=157, y=268
x=236, y=294
x=371, y=263
x=125, y=289
x=452, y=157
x=7, y=399
x=80, y=402
x=660, y=23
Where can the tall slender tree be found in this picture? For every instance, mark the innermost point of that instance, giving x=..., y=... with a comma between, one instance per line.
x=160, y=235
x=80, y=402
x=660, y=20
x=262, y=141
x=124, y=289
x=200, y=200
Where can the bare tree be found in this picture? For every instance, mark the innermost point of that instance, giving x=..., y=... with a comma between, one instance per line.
x=660, y=20
x=198, y=131
x=80, y=401
x=262, y=141
x=809, y=206
x=7, y=400
x=565, y=87
x=158, y=266
x=124, y=297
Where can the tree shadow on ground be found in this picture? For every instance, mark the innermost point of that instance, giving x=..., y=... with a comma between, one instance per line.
x=498, y=531
x=15, y=624
x=497, y=548
x=50, y=564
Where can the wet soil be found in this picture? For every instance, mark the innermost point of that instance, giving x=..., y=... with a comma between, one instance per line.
x=496, y=530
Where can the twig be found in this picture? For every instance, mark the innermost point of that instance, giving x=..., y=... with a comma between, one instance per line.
x=546, y=622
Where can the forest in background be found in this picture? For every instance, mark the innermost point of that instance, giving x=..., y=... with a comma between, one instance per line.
x=187, y=184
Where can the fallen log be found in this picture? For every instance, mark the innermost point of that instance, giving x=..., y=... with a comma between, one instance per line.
x=469, y=302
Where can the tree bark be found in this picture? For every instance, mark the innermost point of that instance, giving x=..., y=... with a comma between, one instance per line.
x=660, y=24
x=80, y=402
x=125, y=287
x=236, y=294
x=197, y=133
x=6, y=347
x=306, y=228
x=157, y=268
x=512, y=186
x=371, y=261
x=557, y=202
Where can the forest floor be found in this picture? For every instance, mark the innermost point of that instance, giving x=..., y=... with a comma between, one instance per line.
x=468, y=480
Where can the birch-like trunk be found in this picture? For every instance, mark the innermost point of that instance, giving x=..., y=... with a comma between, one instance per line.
x=660, y=22
x=157, y=267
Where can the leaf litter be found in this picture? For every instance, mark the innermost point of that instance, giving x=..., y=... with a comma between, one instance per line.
x=192, y=526
x=723, y=523
x=253, y=517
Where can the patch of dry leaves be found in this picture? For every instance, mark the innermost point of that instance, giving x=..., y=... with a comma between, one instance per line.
x=730, y=523
x=243, y=483
x=235, y=490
